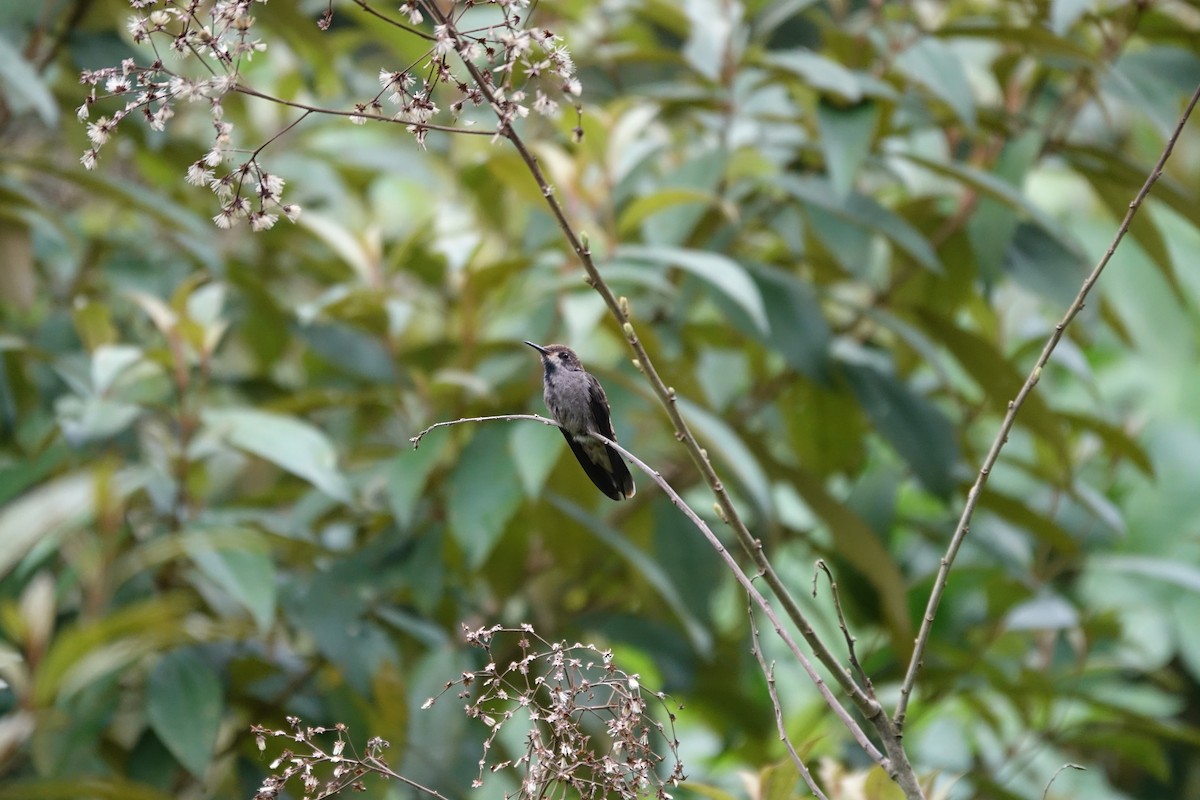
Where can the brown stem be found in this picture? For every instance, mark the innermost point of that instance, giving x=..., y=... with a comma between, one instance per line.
x=964, y=522
x=768, y=671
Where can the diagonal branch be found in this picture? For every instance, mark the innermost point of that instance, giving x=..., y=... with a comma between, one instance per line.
x=1006, y=425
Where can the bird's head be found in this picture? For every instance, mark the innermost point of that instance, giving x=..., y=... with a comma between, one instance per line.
x=558, y=356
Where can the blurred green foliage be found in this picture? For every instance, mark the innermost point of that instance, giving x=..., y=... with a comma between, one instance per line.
x=845, y=230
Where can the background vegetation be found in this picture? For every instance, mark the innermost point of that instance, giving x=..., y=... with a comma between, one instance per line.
x=845, y=230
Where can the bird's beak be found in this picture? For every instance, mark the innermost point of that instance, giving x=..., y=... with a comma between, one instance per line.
x=539, y=348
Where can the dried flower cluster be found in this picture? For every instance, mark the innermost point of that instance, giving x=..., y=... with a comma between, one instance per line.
x=216, y=36
x=301, y=764
x=586, y=726
x=584, y=723
x=512, y=68
x=498, y=63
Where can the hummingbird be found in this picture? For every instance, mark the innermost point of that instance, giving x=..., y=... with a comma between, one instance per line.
x=577, y=402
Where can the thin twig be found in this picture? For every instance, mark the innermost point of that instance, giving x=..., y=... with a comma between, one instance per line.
x=768, y=672
x=841, y=617
x=416, y=440
x=384, y=769
x=964, y=522
x=241, y=88
x=1046, y=791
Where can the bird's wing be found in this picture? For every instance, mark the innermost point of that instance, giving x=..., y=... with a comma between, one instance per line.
x=605, y=481
x=620, y=478
x=599, y=408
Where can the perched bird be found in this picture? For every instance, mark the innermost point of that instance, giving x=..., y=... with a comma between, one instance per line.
x=576, y=400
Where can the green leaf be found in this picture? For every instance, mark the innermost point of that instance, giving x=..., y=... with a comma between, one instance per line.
x=646, y=206
x=711, y=29
x=1047, y=264
x=723, y=442
x=987, y=184
x=331, y=605
x=1045, y=612
x=408, y=472
x=778, y=781
x=918, y=429
x=1121, y=169
x=644, y=565
x=1116, y=441
x=826, y=431
x=866, y=213
x=1172, y=572
x=818, y=72
x=93, y=419
x=931, y=63
x=23, y=86
x=846, y=137
x=43, y=515
x=719, y=271
x=770, y=17
x=796, y=324
x=849, y=245
x=183, y=704
x=1065, y=13
x=1185, y=610
x=1157, y=80
x=992, y=226
x=287, y=442
x=189, y=229
x=109, y=362
x=345, y=348
x=1029, y=38
x=534, y=455
x=483, y=492
x=246, y=573
x=998, y=378
x=83, y=654
x=1018, y=512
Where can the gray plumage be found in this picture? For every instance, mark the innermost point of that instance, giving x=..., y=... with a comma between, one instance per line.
x=577, y=401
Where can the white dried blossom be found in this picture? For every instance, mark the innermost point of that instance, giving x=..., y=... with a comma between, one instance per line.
x=225, y=220
x=261, y=221
x=158, y=118
x=443, y=42
x=413, y=12
x=197, y=175
x=99, y=131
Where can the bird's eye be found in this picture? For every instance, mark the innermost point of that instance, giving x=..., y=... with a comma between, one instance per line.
x=562, y=356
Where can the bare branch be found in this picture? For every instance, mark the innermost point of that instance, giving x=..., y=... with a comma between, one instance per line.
x=768, y=672
x=416, y=440
x=837, y=605
x=1046, y=791
x=1006, y=425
